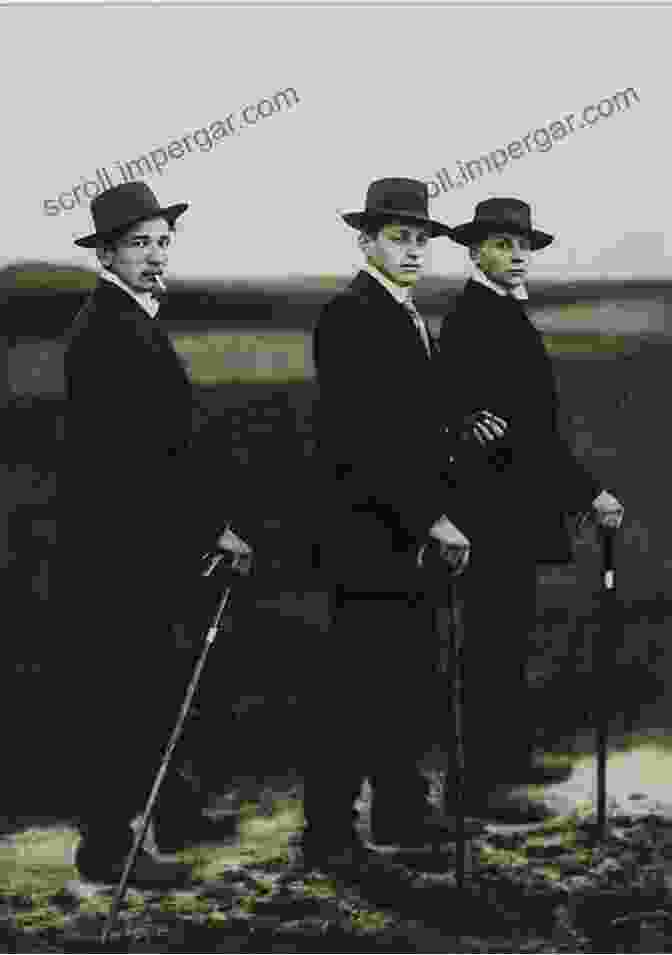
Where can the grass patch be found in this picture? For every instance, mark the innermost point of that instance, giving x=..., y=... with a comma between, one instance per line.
x=501, y=857
x=217, y=358
x=322, y=889
x=185, y=904
x=586, y=343
x=262, y=839
x=36, y=862
x=72, y=279
x=370, y=922
x=521, y=879
x=580, y=311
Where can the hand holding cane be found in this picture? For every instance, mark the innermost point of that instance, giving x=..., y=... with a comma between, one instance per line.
x=240, y=562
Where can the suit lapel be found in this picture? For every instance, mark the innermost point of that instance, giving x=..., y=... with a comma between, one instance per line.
x=110, y=307
x=382, y=305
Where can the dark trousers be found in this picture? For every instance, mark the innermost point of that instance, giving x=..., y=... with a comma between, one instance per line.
x=498, y=598
x=126, y=682
x=374, y=691
x=379, y=699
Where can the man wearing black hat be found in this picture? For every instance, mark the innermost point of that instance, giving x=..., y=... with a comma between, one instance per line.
x=130, y=536
x=385, y=463
x=516, y=487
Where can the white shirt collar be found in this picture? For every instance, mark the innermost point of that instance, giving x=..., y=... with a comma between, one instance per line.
x=519, y=292
x=401, y=293
x=144, y=299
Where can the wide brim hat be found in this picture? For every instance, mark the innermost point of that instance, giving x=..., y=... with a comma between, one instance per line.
x=501, y=215
x=118, y=209
x=404, y=200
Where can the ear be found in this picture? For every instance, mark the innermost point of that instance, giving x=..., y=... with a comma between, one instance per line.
x=105, y=254
x=364, y=241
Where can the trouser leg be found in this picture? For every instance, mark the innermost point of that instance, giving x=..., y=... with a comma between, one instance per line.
x=121, y=590
x=403, y=721
x=498, y=612
x=128, y=704
x=377, y=675
x=335, y=754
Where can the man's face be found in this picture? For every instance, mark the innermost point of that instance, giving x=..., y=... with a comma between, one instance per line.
x=140, y=254
x=504, y=257
x=399, y=250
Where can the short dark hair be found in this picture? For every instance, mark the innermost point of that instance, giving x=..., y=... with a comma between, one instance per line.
x=372, y=226
x=111, y=239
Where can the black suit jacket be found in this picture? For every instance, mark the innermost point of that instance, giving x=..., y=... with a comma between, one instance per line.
x=380, y=441
x=521, y=489
x=130, y=514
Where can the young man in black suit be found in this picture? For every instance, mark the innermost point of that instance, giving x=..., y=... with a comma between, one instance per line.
x=130, y=537
x=387, y=494
x=515, y=490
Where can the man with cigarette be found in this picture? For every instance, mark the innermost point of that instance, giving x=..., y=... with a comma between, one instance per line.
x=517, y=483
x=131, y=531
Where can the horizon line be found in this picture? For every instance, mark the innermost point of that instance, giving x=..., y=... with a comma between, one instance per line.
x=287, y=277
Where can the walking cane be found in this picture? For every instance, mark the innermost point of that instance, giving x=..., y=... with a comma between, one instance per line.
x=448, y=619
x=608, y=536
x=457, y=661
x=213, y=560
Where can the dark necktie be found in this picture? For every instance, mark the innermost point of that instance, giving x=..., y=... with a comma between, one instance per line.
x=419, y=323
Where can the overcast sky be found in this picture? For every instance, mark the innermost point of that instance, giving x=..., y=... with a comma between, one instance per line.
x=383, y=91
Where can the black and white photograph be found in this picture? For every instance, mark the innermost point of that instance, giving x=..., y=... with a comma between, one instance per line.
x=337, y=556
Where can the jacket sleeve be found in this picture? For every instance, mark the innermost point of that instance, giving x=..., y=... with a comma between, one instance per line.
x=125, y=457
x=381, y=437
x=577, y=487
x=511, y=374
x=574, y=485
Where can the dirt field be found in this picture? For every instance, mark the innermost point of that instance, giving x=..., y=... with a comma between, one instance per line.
x=614, y=398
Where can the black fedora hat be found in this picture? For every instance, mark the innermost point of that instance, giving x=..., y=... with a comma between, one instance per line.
x=120, y=207
x=406, y=200
x=501, y=215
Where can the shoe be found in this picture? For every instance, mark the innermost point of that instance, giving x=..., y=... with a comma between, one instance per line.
x=174, y=836
x=508, y=808
x=149, y=871
x=415, y=832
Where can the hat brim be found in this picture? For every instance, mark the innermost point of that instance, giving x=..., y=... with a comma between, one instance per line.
x=470, y=232
x=359, y=220
x=170, y=213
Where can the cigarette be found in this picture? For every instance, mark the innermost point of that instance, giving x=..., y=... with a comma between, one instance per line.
x=159, y=282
